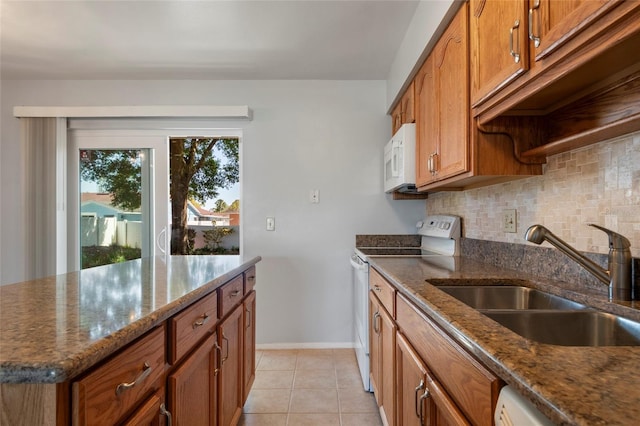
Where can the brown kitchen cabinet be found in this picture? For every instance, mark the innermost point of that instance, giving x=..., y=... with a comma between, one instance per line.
x=564, y=77
x=249, y=349
x=499, y=45
x=199, y=371
x=442, y=105
x=510, y=37
x=151, y=413
x=192, y=387
x=230, y=381
x=420, y=399
x=382, y=329
x=460, y=387
x=403, y=112
x=452, y=153
x=117, y=389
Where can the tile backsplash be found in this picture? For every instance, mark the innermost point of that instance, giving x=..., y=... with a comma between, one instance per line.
x=596, y=184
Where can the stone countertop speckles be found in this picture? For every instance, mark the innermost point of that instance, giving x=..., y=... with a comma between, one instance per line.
x=54, y=328
x=571, y=385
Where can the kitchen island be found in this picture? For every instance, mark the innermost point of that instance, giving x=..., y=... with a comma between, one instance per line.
x=570, y=385
x=57, y=329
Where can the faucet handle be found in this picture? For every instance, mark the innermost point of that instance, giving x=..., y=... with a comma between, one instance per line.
x=616, y=241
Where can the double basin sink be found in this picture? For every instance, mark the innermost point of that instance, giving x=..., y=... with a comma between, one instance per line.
x=547, y=318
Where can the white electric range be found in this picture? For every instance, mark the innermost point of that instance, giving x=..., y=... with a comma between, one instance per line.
x=440, y=242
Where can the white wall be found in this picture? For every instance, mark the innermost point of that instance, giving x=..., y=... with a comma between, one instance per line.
x=325, y=135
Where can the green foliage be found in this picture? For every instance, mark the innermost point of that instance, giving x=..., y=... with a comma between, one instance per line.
x=220, y=206
x=208, y=172
x=213, y=237
x=100, y=255
x=117, y=172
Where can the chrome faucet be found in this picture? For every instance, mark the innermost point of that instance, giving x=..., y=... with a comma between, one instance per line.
x=617, y=277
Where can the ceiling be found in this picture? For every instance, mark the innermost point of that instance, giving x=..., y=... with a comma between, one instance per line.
x=206, y=39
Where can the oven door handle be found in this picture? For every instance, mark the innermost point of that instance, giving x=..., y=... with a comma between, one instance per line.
x=357, y=263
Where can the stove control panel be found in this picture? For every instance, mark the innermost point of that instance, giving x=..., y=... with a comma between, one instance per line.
x=440, y=226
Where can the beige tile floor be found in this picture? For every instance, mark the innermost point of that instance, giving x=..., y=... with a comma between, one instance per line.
x=315, y=387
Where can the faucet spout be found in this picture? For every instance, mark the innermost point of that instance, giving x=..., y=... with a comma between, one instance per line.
x=617, y=277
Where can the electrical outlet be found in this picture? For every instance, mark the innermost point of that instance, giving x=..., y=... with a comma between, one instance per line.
x=509, y=220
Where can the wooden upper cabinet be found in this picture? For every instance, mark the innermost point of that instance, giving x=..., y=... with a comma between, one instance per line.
x=452, y=70
x=403, y=112
x=426, y=123
x=551, y=23
x=442, y=106
x=499, y=52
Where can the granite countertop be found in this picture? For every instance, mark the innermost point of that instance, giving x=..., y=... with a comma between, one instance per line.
x=571, y=385
x=54, y=328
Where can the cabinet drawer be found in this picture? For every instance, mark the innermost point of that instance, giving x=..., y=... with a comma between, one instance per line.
x=191, y=325
x=112, y=390
x=231, y=294
x=249, y=280
x=473, y=388
x=383, y=290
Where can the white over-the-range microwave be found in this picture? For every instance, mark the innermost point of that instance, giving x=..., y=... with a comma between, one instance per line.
x=400, y=160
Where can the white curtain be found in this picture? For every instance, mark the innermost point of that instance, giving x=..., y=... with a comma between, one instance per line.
x=44, y=200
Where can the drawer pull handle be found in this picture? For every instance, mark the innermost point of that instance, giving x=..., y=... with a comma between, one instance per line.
x=146, y=370
x=234, y=293
x=165, y=412
x=201, y=322
x=418, y=389
x=377, y=288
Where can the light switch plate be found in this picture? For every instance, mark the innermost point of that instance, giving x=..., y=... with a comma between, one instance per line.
x=314, y=196
x=509, y=220
x=271, y=224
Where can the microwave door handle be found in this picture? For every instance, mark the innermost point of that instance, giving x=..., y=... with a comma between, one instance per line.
x=395, y=149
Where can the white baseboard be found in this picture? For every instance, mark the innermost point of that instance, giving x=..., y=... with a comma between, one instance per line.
x=329, y=345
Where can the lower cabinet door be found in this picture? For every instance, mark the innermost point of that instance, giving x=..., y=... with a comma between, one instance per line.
x=249, y=344
x=411, y=385
x=230, y=337
x=420, y=399
x=151, y=413
x=192, y=387
x=442, y=409
x=387, y=367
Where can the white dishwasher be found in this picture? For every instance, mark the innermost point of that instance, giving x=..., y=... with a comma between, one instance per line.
x=514, y=410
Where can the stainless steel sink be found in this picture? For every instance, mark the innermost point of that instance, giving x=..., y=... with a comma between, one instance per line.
x=546, y=318
x=508, y=297
x=569, y=328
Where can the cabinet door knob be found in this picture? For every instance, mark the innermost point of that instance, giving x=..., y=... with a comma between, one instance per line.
x=516, y=55
x=146, y=370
